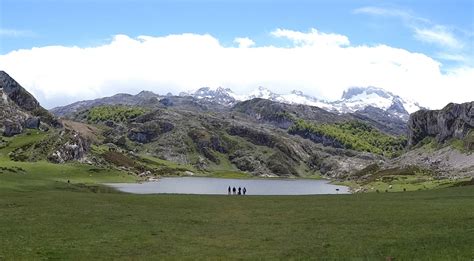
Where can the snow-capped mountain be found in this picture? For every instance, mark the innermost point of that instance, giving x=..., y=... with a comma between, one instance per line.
x=358, y=98
x=352, y=100
x=219, y=95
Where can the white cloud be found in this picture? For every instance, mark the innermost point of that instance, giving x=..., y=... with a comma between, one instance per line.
x=313, y=37
x=4, y=32
x=423, y=29
x=438, y=35
x=244, y=42
x=452, y=57
x=318, y=63
x=379, y=11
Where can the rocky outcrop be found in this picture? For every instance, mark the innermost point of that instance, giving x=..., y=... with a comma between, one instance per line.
x=17, y=93
x=382, y=120
x=147, y=132
x=12, y=128
x=32, y=123
x=11, y=116
x=453, y=121
x=72, y=147
x=256, y=137
x=20, y=108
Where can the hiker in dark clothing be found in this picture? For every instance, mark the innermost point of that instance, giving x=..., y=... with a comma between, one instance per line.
x=233, y=190
x=228, y=190
x=240, y=191
x=245, y=190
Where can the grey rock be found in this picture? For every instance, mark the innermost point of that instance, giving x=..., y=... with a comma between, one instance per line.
x=23, y=100
x=17, y=93
x=12, y=128
x=73, y=149
x=453, y=121
x=32, y=123
x=147, y=132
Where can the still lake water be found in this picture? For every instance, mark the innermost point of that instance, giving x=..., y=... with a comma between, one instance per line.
x=216, y=186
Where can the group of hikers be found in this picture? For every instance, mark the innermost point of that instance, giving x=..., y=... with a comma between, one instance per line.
x=235, y=191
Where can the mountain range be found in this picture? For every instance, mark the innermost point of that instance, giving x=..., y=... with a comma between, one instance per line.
x=210, y=131
x=353, y=99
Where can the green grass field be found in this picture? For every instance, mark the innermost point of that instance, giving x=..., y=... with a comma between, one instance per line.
x=72, y=222
x=42, y=216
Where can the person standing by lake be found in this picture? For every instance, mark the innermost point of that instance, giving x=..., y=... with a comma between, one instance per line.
x=228, y=191
x=233, y=190
x=240, y=191
x=245, y=191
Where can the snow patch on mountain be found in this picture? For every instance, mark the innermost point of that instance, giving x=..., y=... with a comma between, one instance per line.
x=353, y=99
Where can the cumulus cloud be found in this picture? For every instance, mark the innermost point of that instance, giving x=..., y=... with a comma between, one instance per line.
x=320, y=64
x=244, y=42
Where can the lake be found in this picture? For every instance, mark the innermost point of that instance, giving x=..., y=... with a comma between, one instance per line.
x=218, y=186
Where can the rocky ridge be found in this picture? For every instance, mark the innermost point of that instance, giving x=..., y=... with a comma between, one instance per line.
x=453, y=121
x=20, y=109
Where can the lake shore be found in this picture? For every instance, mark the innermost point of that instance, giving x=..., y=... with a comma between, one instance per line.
x=219, y=186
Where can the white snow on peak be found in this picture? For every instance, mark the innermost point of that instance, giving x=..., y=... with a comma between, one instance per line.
x=261, y=92
x=360, y=101
x=353, y=99
x=411, y=106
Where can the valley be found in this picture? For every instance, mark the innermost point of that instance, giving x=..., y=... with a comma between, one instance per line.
x=236, y=130
x=148, y=136
x=411, y=194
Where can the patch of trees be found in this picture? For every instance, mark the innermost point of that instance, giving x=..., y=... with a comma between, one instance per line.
x=116, y=113
x=354, y=135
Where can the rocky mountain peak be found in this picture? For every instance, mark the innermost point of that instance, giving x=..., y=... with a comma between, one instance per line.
x=146, y=94
x=355, y=92
x=353, y=99
x=223, y=96
x=263, y=93
x=17, y=94
x=358, y=98
x=296, y=92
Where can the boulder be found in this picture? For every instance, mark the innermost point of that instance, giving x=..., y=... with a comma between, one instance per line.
x=32, y=123
x=12, y=128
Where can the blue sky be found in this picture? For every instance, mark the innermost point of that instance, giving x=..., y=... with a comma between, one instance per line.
x=91, y=22
x=441, y=30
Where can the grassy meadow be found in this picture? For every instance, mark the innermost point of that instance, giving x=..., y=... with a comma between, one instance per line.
x=43, y=217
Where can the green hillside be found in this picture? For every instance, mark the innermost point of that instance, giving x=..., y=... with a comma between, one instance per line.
x=353, y=135
x=117, y=113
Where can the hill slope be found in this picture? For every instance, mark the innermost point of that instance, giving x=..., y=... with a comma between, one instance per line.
x=19, y=109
